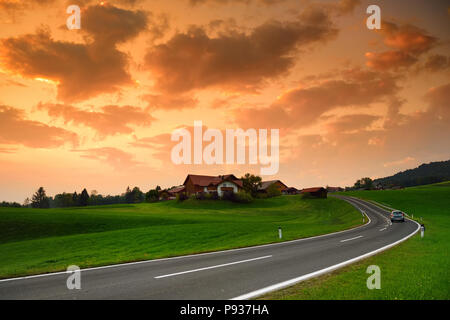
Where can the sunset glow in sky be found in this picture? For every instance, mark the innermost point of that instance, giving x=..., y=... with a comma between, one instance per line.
x=94, y=108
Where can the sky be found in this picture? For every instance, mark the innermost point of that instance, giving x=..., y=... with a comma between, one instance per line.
x=95, y=107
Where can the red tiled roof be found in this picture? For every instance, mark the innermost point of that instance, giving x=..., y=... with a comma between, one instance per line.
x=176, y=189
x=266, y=184
x=204, y=181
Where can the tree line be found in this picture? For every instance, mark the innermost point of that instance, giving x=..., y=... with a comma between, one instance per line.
x=63, y=200
x=39, y=199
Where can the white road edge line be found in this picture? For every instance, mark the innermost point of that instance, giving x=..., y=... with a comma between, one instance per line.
x=351, y=239
x=383, y=229
x=291, y=282
x=188, y=256
x=211, y=267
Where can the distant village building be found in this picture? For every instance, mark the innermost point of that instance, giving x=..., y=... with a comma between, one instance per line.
x=173, y=192
x=198, y=183
x=266, y=184
x=318, y=192
x=291, y=191
x=194, y=184
x=334, y=189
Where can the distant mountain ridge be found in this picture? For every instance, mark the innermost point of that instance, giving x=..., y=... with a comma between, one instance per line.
x=428, y=173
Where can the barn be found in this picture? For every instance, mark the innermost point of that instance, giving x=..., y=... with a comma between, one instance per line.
x=317, y=192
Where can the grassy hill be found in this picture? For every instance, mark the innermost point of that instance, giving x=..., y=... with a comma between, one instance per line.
x=416, y=269
x=44, y=240
x=426, y=173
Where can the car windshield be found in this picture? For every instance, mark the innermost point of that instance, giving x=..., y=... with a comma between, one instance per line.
x=397, y=213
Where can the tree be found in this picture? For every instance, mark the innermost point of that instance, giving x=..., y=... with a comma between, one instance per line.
x=84, y=198
x=273, y=191
x=64, y=200
x=40, y=199
x=27, y=202
x=152, y=195
x=134, y=196
x=128, y=195
x=75, y=199
x=251, y=183
x=364, y=183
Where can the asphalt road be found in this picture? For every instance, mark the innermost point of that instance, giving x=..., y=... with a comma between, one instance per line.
x=219, y=275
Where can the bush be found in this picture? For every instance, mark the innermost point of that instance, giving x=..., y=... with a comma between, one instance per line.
x=273, y=191
x=307, y=196
x=214, y=196
x=243, y=197
x=261, y=195
x=181, y=197
x=228, y=195
x=201, y=196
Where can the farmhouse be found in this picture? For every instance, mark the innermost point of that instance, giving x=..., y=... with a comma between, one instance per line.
x=318, y=192
x=197, y=183
x=290, y=191
x=266, y=184
x=334, y=189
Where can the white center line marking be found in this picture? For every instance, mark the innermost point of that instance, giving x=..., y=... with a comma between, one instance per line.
x=351, y=238
x=382, y=229
x=211, y=267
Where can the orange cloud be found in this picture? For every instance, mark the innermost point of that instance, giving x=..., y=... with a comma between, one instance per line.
x=303, y=106
x=409, y=43
x=114, y=157
x=351, y=123
x=439, y=102
x=81, y=71
x=170, y=101
x=234, y=61
x=110, y=120
x=387, y=60
x=15, y=129
x=437, y=63
x=407, y=38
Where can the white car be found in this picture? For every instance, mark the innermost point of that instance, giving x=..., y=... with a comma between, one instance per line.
x=397, y=216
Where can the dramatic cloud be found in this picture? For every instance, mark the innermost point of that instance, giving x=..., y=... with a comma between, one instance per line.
x=407, y=38
x=408, y=42
x=116, y=158
x=109, y=120
x=361, y=150
x=265, y=2
x=15, y=129
x=81, y=71
x=389, y=60
x=351, y=123
x=341, y=7
x=233, y=60
x=110, y=25
x=304, y=106
x=170, y=102
x=439, y=102
x=437, y=62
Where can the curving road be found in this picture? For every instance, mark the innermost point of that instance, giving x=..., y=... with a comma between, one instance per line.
x=240, y=274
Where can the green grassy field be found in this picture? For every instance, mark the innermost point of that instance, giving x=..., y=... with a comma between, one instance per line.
x=44, y=240
x=416, y=269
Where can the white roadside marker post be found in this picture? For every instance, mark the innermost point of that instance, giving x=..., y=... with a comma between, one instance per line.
x=422, y=230
x=280, y=234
